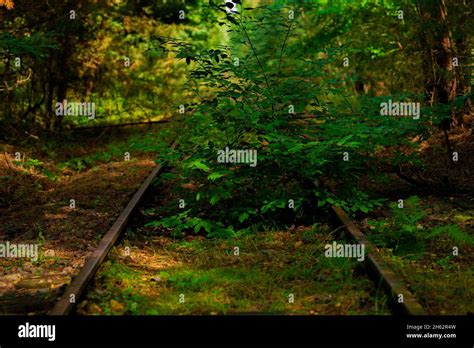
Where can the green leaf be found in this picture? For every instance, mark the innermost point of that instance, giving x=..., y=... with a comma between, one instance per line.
x=203, y=224
x=214, y=176
x=197, y=164
x=214, y=199
x=243, y=217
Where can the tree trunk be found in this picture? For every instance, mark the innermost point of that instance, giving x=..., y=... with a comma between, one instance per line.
x=438, y=67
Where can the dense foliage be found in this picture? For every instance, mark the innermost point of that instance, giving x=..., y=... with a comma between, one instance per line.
x=298, y=84
x=293, y=102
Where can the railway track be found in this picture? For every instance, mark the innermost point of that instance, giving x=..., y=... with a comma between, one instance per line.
x=77, y=287
x=402, y=300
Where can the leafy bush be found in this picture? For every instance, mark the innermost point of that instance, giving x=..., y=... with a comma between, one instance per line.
x=251, y=98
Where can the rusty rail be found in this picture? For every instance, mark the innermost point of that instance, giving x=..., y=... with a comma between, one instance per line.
x=393, y=284
x=75, y=290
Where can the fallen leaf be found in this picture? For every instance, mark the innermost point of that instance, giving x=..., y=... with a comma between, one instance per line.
x=116, y=306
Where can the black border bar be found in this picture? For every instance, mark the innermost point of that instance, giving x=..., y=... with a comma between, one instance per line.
x=240, y=329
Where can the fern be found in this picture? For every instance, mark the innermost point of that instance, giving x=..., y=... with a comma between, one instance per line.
x=405, y=233
x=453, y=232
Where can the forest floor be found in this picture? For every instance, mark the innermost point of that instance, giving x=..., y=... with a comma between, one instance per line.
x=437, y=268
x=150, y=272
x=36, y=206
x=438, y=271
x=273, y=272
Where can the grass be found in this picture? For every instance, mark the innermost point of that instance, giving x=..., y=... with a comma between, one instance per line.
x=444, y=285
x=274, y=273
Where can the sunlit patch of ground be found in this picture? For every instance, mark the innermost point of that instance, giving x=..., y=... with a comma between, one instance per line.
x=274, y=272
